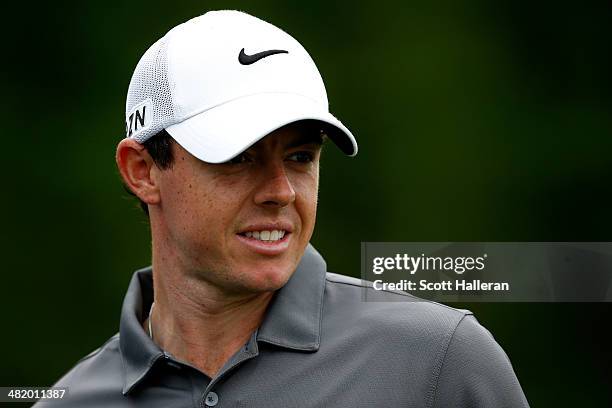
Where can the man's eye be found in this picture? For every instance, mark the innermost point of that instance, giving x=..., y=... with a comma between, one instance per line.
x=302, y=157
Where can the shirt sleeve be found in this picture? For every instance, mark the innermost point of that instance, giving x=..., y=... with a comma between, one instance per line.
x=476, y=372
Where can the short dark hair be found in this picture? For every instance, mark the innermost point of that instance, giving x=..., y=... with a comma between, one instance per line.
x=159, y=147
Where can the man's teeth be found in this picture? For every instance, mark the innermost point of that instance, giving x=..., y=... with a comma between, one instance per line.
x=273, y=235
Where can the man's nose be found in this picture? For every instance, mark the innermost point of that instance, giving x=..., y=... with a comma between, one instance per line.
x=275, y=188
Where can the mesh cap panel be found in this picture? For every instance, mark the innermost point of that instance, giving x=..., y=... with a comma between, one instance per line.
x=150, y=86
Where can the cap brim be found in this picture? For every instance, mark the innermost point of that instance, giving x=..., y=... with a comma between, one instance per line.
x=222, y=132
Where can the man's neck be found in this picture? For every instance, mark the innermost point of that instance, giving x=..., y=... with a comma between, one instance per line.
x=197, y=324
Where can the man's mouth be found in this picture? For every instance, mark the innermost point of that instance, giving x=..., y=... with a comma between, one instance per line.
x=265, y=235
x=267, y=238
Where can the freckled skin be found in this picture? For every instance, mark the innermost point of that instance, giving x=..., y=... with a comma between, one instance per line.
x=203, y=206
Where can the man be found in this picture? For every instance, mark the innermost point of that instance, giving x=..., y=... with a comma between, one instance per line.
x=225, y=118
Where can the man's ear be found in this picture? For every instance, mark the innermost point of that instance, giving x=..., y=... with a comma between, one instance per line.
x=136, y=165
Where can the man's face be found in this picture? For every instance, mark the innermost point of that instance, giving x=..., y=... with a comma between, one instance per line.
x=242, y=225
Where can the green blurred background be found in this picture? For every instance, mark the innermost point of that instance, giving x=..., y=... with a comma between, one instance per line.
x=479, y=120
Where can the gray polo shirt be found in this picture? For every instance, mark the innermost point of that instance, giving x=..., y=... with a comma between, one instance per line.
x=319, y=345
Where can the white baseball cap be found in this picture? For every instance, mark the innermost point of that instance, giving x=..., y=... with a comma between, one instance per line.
x=220, y=82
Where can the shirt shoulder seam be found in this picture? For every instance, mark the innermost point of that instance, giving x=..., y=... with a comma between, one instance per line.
x=440, y=365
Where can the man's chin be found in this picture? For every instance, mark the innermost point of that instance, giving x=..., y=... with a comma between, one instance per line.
x=265, y=278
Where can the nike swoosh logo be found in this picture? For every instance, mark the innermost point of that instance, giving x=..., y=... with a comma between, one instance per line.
x=246, y=59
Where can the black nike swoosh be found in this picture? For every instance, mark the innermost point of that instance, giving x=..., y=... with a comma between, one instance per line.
x=245, y=59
